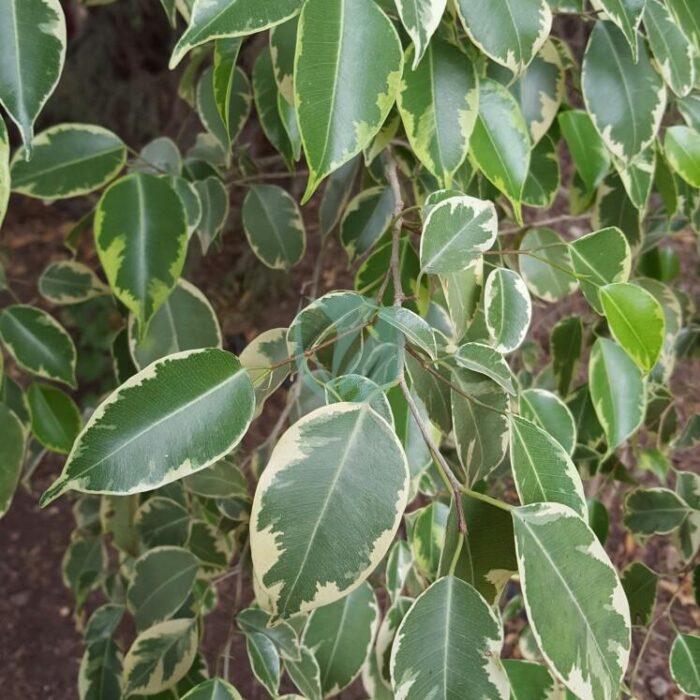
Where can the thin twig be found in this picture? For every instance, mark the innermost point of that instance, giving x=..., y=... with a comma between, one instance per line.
x=545, y=222
x=393, y=178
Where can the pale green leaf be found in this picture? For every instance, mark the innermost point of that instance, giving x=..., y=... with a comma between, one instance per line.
x=213, y=197
x=266, y=359
x=11, y=455
x=508, y=309
x=70, y=282
x=485, y=360
x=545, y=264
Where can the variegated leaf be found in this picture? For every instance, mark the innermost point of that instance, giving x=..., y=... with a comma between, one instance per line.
x=508, y=309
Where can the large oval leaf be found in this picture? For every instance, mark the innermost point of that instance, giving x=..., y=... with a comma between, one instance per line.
x=33, y=37
x=67, y=161
x=273, y=226
x=38, y=343
x=323, y=466
x=510, y=32
x=356, y=73
x=217, y=19
x=456, y=232
x=448, y=645
x=177, y=416
x=636, y=321
x=500, y=143
x=508, y=309
x=341, y=635
x=141, y=239
x=438, y=103
x=625, y=98
x=563, y=567
x=542, y=469
x=186, y=321
x=11, y=455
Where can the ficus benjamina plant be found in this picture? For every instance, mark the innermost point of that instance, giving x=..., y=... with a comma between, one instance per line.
x=509, y=183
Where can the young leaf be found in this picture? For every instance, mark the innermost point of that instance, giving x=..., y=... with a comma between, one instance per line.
x=672, y=50
x=162, y=428
x=70, y=282
x=455, y=234
x=438, y=103
x=636, y=321
x=159, y=157
x=162, y=580
x=340, y=636
x=500, y=143
x=273, y=226
x=508, y=309
x=449, y=644
x=358, y=75
x=547, y=269
x=33, y=34
x=510, y=32
x=215, y=207
x=625, y=97
x=483, y=359
x=11, y=455
x=160, y=656
x=323, y=464
x=141, y=239
x=600, y=258
x=358, y=389
x=66, y=161
x=618, y=391
x=264, y=661
x=55, y=418
x=685, y=663
x=682, y=147
x=415, y=329
x=550, y=413
x=38, y=343
x=654, y=511
x=365, y=220
x=220, y=19
x=543, y=471
x=563, y=566
x=264, y=358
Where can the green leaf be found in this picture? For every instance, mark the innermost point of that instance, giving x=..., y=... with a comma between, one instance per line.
x=160, y=656
x=530, y=681
x=672, y=50
x=685, y=663
x=563, y=566
x=625, y=97
x=281, y=634
x=215, y=208
x=415, y=329
x=306, y=674
x=462, y=292
x=264, y=358
x=637, y=177
x=449, y=645
x=339, y=126
x=438, y=103
x=55, y=418
x=141, y=240
x=213, y=689
x=426, y=528
x=543, y=178
x=223, y=479
x=185, y=321
x=5, y=184
x=273, y=226
x=336, y=194
x=626, y=14
x=549, y=412
x=33, y=34
x=324, y=464
x=161, y=156
x=682, y=147
x=232, y=91
x=386, y=636
x=420, y=18
x=654, y=511
x=507, y=308
x=264, y=661
x=618, y=391
x=208, y=105
x=636, y=321
x=398, y=565
x=161, y=581
x=283, y=43
x=38, y=343
x=220, y=19
x=340, y=636
x=565, y=348
x=510, y=32
x=365, y=220
x=587, y=149
x=266, y=92
x=483, y=359
x=161, y=521
x=455, y=234
x=100, y=671
x=639, y=582
x=70, y=282
x=84, y=563
x=500, y=143
x=547, y=269
x=190, y=200
x=542, y=469
x=480, y=423
x=358, y=389
x=211, y=546
x=67, y=160
x=600, y=258
x=162, y=427
x=11, y=455
x=614, y=208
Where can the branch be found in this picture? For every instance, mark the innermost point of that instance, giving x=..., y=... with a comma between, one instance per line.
x=393, y=178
